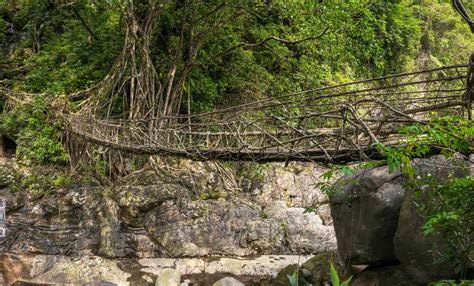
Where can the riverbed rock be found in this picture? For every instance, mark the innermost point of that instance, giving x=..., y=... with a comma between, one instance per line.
x=169, y=277
x=416, y=251
x=228, y=281
x=259, y=266
x=48, y=269
x=296, y=184
x=365, y=214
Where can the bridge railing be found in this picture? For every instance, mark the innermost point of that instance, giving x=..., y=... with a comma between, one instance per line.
x=327, y=123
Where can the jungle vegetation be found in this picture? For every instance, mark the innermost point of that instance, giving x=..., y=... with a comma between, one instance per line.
x=209, y=54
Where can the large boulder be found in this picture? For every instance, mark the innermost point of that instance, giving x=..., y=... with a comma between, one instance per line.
x=365, y=214
x=416, y=251
x=377, y=221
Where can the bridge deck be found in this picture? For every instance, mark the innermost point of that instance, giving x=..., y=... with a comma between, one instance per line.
x=336, y=123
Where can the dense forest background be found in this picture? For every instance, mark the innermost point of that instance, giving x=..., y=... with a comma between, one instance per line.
x=225, y=52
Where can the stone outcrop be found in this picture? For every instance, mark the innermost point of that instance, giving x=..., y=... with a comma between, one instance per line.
x=232, y=227
x=377, y=223
x=365, y=214
x=189, y=209
x=314, y=271
x=169, y=277
x=260, y=266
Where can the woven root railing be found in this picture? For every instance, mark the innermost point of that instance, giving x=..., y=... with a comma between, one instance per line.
x=336, y=123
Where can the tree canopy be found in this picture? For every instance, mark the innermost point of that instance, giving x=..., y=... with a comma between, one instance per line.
x=165, y=57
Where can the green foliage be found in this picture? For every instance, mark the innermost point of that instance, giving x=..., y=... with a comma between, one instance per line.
x=450, y=212
x=335, y=277
x=74, y=60
x=449, y=134
x=296, y=280
x=39, y=182
x=37, y=138
x=364, y=38
x=328, y=187
x=293, y=279
x=65, y=48
x=446, y=38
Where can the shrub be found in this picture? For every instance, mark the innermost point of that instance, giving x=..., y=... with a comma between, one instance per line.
x=38, y=139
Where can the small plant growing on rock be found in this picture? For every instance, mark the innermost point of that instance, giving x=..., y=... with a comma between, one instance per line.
x=295, y=280
x=335, y=277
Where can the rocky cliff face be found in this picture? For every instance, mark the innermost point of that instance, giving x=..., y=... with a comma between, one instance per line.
x=196, y=210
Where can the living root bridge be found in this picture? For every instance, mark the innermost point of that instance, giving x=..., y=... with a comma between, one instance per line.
x=331, y=124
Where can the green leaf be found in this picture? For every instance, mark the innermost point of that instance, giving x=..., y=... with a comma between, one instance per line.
x=293, y=278
x=346, y=283
x=334, y=276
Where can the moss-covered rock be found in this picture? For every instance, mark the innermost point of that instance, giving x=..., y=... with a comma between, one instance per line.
x=314, y=271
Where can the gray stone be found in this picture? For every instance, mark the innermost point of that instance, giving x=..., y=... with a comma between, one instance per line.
x=365, y=214
x=228, y=281
x=383, y=276
x=413, y=249
x=376, y=223
x=234, y=227
x=60, y=270
x=164, y=214
x=148, y=279
x=259, y=266
x=282, y=278
x=318, y=268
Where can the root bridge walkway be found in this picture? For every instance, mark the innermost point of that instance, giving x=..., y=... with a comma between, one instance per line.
x=335, y=123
